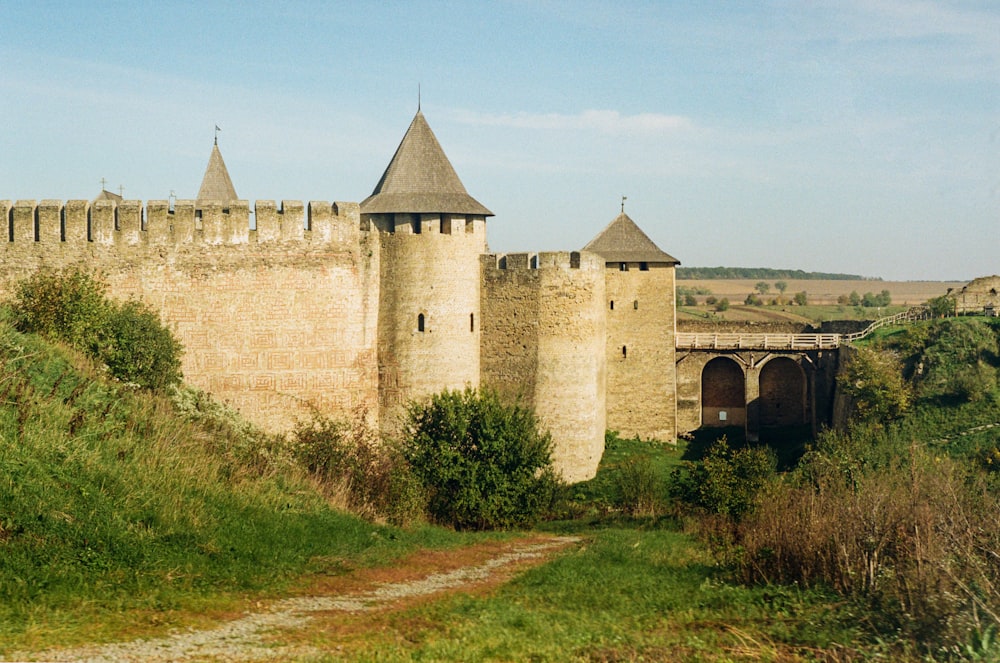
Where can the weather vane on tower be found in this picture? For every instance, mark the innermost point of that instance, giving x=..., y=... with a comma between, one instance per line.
x=624, y=198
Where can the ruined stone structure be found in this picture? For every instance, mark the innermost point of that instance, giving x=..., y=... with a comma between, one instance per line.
x=346, y=307
x=979, y=296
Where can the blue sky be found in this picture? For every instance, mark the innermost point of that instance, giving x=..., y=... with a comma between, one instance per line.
x=828, y=135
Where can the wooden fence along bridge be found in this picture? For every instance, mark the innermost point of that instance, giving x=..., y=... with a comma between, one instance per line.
x=763, y=382
x=712, y=341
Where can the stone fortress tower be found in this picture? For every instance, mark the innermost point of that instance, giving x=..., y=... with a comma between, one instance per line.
x=431, y=233
x=341, y=308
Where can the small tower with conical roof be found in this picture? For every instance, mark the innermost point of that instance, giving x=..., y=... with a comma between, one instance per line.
x=216, y=185
x=431, y=234
x=639, y=284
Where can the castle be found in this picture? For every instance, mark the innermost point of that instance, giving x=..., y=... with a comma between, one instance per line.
x=347, y=308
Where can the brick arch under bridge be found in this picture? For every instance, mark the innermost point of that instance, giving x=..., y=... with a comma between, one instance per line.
x=755, y=389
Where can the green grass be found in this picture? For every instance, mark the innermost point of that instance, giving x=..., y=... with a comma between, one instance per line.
x=111, y=505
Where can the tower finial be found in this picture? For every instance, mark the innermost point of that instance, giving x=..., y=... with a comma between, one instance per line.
x=418, y=97
x=624, y=198
x=217, y=130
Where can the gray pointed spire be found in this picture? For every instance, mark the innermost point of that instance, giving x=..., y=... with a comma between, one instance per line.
x=623, y=241
x=420, y=179
x=216, y=185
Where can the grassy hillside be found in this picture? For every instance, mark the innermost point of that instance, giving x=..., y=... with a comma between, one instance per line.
x=111, y=502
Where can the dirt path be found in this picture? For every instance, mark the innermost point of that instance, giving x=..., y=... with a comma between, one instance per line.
x=333, y=602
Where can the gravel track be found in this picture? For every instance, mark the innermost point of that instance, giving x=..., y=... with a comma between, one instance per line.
x=242, y=639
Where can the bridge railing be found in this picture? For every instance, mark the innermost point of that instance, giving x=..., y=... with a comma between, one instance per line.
x=702, y=341
x=909, y=315
x=710, y=341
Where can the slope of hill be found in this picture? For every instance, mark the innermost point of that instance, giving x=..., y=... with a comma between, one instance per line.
x=110, y=502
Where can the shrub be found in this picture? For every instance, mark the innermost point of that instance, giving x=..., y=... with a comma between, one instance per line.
x=137, y=347
x=914, y=536
x=350, y=461
x=874, y=381
x=801, y=298
x=484, y=464
x=726, y=480
x=690, y=300
x=66, y=305
x=753, y=300
x=70, y=306
x=642, y=488
x=722, y=305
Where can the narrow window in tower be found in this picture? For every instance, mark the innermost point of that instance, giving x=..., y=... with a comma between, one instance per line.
x=417, y=224
x=624, y=352
x=472, y=322
x=420, y=322
x=62, y=224
x=612, y=305
x=635, y=304
x=623, y=267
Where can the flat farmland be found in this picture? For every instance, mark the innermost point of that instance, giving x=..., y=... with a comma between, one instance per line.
x=823, y=292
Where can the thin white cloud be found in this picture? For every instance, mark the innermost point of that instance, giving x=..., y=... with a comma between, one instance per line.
x=604, y=121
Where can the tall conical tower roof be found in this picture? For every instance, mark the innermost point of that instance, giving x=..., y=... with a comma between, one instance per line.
x=420, y=179
x=216, y=184
x=623, y=241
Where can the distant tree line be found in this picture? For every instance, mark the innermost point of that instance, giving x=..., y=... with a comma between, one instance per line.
x=686, y=273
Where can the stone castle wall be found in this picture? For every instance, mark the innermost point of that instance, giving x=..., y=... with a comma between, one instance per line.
x=274, y=319
x=544, y=333
x=640, y=350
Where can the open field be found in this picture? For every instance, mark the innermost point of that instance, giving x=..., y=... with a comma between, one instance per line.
x=825, y=292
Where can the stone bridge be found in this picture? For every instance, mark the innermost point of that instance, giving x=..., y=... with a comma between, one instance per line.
x=763, y=381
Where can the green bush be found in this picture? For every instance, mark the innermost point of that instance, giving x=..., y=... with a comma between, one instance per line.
x=373, y=477
x=726, y=481
x=873, y=379
x=70, y=306
x=722, y=305
x=137, y=347
x=66, y=305
x=642, y=488
x=485, y=464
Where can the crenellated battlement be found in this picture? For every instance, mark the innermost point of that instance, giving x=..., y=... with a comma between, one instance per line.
x=184, y=222
x=543, y=260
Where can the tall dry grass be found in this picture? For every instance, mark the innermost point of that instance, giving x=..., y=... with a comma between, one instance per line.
x=917, y=538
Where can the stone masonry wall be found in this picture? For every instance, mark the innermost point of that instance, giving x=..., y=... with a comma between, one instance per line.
x=274, y=320
x=543, y=341
x=640, y=350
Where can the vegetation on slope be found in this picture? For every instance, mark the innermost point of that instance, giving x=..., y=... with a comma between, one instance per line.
x=112, y=505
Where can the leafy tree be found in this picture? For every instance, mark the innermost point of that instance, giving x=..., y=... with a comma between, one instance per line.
x=762, y=287
x=942, y=306
x=854, y=298
x=874, y=379
x=753, y=300
x=801, y=298
x=690, y=300
x=781, y=286
x=483, y=463
x=722, y=305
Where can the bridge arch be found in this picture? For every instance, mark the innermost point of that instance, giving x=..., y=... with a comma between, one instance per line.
x=783, y=393
x=723, y=393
